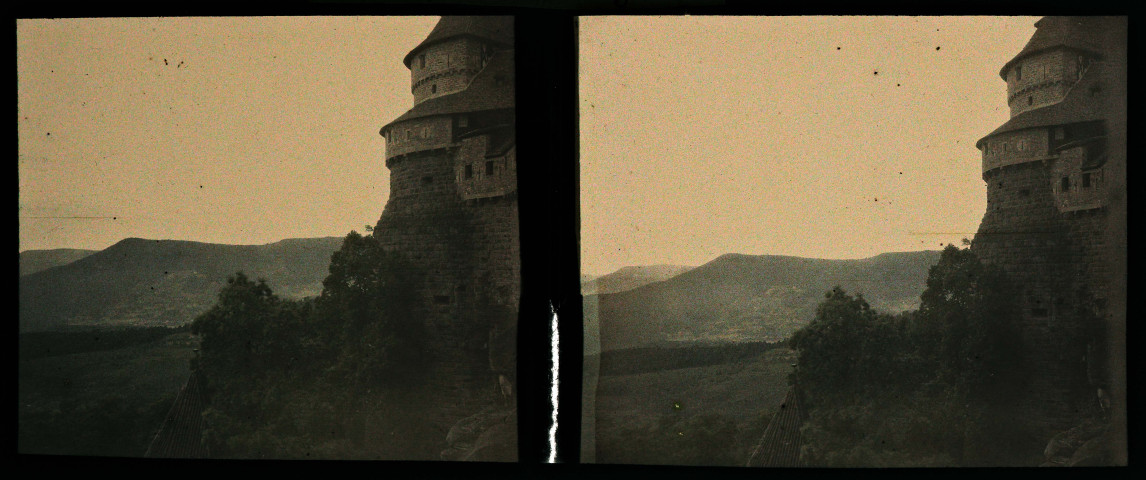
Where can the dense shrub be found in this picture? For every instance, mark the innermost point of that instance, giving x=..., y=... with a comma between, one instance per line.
x=314, y=378
x=934, y=387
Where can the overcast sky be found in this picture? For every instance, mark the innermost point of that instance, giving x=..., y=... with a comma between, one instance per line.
x=700, y=135
x=226, y=130
x=830, y=137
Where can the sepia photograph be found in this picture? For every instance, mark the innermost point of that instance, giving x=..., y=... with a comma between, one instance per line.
x=268, y=237
x=815, y=241
x=853, y=241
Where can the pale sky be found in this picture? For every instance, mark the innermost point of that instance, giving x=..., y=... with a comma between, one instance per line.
x=702, y=136
x=223, y=130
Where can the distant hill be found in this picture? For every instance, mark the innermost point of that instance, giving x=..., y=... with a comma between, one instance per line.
x=746, y=298
x=164, y=282
x=629, y=278
x=33, y=261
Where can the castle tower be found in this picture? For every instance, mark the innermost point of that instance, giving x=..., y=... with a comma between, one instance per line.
x=452, y=210
x=1049, y=185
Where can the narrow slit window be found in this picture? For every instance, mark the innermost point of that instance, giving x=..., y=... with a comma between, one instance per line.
x=422, y=61
x=434, y=88
x=1019, y=72
x=1065, y=184
x=489, y=167
x=1086, y=180
x=469, y=170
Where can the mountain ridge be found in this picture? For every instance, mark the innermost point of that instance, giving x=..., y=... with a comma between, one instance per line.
x=144, y=282
x=740, y=298
x=32, y=261
x=630, y=277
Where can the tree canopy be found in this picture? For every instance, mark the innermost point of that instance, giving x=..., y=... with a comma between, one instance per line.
x=311, y=378
x=933, y=387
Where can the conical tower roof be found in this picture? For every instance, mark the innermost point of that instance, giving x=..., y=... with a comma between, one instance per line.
x=1076, y=33
x=498, y=30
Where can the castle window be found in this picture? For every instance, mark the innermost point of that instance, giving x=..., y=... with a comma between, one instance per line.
x=489, y=167
x=1066, y=184
x=1039, y=312
x=426, y=132
x=1018, y=72
x=463, y=121
x=469, y=170
x=442, y=299
x=1024, y=192
x=427, y=180
x=1031, y=100
x=1086, y=180
x=434, y=88
x=422, y=60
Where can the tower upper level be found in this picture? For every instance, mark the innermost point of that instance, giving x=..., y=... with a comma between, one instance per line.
x=1056, y=88
x=1056, y=57
x=454, y=52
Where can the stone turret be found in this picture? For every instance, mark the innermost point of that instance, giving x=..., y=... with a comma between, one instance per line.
x=452, y=212
x=453, y=54
x=1050, y=186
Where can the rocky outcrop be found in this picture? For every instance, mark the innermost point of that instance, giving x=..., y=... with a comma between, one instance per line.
x=1091, y=443
x=489, y=436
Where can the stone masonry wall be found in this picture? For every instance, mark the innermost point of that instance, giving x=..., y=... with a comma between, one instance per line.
x=1024, y=233
x=418, y=135
x=1083, y=190
x=1046, y=79
x=467, y=257
x=479, y=176
x=449, y=68
x=1015, y=147
x=426, y=223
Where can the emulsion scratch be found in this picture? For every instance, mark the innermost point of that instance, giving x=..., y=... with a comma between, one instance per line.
x=555, y=353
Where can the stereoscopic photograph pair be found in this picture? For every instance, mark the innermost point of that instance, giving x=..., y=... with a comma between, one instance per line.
x=732, y=240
